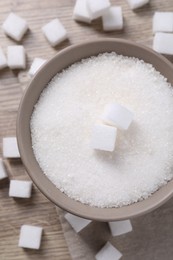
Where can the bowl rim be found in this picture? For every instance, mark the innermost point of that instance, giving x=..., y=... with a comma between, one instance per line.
x=112, y=214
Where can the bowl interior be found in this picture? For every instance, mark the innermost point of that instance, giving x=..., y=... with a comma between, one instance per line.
x=63, y=60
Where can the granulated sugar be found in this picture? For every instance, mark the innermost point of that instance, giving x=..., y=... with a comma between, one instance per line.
x=69, y=107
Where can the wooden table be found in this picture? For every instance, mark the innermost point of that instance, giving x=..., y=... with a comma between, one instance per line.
x=38, y=210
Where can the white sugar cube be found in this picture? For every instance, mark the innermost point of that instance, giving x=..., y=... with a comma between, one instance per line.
x=98, y=8
x=30, y=236
x=117, y=115
x=120, y=227
x=20, y=189
x=113, y=19
x=163, y=43
x=16, y=57
x=134, y=4
x=3, y=173
x=108, y=252
x=77, y=223
x=36, y=65
x=54, y=32
x=81, y=12
x=15, y=26
x=103, y=137
x=163, y=22
x=3, y=60
x=10, y=148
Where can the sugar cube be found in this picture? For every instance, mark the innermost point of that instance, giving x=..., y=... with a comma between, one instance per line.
x=103, y=137
x=163, y=43
x=76, y=222
x=134, y=4
x=117, y=115
x=36, y=65
x=98, y=8
x=163, y=22
x=81, y=12
x=113, y=19
x=3, y=173
x=120, y=227
x=15, y=26
x=16, y=57
x=54, y=32
x=30, y=236
x=20, y=189
x=3, y=60
x=10, y=148
x=108, y=252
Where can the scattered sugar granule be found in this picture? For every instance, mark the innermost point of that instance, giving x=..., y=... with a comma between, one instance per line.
x=20, y=189
x=76, y=222
x=113, y=19
x=117, y=115
x=15, y=26
x=163, y=22
x=3, y=173
x=36, y=65
x=118, y=228
x=134, y=4
x=30, y=236
x=70, y=106
x=103, y=137
x=108, y=252
x=98, y=8
x=163, y=43
x=3, y=60
x=81, y=12
x=16, y=57
x=54, y=32
x=10, y=148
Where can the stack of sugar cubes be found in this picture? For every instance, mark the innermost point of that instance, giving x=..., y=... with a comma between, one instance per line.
x=115, y=116
x=88, y=10
x=112, y=19
x=117, y=228
x=163, y=30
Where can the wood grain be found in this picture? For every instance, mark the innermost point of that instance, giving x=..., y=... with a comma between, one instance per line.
x=38, y=210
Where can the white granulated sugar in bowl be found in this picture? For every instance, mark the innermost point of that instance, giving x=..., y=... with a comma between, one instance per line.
x=71, y=104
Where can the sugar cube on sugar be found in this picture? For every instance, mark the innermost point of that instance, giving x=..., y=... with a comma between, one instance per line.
x=76, y=222
x=10, y=147
x=163, y=43
x=120, y=227
x=108, y=252
x=134, y=4
x=30, y=236
x=163, y=22
x=36, y=65
x=54, y=32
x=98, y=8
x=117, y=115
x=3, y=173
x=15, y=26
x=16, y=57
x=103, y=137
x=81, y=12
x=113, y=19
x=3, y=60
x=20, y=189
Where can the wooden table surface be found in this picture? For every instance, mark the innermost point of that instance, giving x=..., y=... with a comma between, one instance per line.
x=38, y=210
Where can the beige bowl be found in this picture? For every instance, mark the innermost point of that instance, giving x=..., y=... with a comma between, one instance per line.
x=62, y=60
